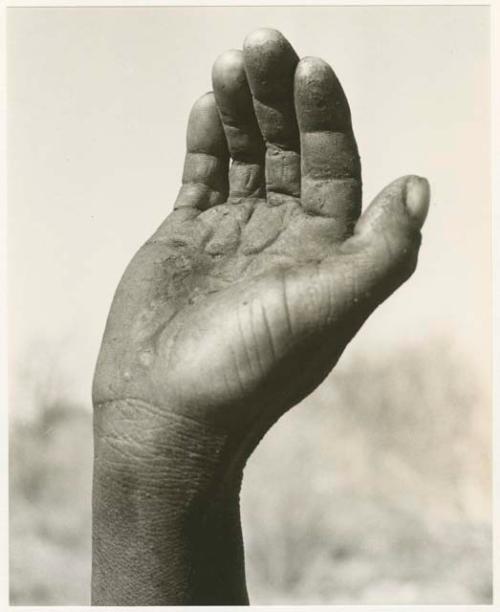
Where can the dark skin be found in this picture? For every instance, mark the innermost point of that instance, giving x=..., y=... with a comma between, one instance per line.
x=232, y=312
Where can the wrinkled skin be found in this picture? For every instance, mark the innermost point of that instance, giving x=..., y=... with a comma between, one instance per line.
x=233, y=311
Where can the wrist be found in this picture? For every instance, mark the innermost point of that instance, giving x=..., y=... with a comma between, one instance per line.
x=165, y=512
x=158, y=451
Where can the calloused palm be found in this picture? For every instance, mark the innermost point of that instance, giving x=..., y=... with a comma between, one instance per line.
x=245, y=297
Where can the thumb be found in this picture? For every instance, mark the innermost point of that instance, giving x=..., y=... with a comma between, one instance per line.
x=383, y=250
x=404, y=202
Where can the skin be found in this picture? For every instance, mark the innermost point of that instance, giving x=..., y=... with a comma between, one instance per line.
x=234, y=310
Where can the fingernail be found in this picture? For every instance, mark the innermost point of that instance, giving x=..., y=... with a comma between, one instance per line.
x=418, y=196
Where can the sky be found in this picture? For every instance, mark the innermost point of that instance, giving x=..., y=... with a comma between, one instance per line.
x=98, y=100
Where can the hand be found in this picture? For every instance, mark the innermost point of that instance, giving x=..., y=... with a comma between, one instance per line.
x=247, y=294
x=245, y=297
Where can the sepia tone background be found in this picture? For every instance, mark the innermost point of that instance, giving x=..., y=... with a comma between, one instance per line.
x=376, y=489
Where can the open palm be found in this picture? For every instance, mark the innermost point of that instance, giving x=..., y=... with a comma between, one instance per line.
x=245, y=297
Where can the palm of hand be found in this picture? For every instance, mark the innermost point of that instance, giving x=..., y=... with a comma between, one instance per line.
x=247, y=294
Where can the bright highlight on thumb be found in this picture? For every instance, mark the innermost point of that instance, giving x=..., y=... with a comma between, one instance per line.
x=418, y=196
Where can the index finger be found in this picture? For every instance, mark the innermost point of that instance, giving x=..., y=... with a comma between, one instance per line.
x=330, y=165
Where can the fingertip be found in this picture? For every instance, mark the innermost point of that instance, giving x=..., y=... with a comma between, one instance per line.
x=204, y=115
x=417, y=198
x=401, y=205
x=263, y=36
x=312, y=67
x=204, y=103
x=270, y=62
x=228, y=69
x=205, y=133
x=320, y=101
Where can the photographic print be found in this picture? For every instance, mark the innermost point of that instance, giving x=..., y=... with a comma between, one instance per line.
x=249, y=278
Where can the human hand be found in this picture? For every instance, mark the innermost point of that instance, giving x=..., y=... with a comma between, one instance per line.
x=245, y=297
x=248, y=293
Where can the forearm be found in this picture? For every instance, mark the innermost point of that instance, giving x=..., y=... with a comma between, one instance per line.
x=166, y=527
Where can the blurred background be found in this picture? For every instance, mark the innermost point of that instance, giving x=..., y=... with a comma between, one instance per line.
x=377, y=488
